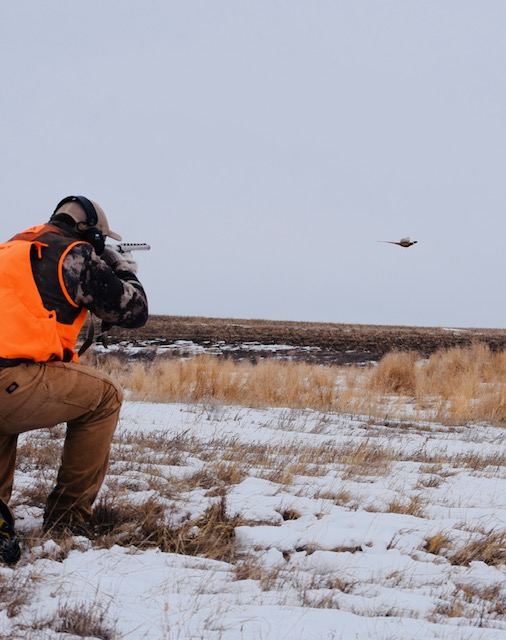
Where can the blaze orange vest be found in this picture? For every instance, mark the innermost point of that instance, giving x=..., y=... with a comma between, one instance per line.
x=27, y=329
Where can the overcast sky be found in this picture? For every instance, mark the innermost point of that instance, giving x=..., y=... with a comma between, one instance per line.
x=263, y=148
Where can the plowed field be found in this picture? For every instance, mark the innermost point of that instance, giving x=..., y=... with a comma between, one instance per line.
x=308, y=341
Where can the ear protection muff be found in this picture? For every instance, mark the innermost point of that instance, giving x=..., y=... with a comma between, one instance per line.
x=91, y=234
x=96, y=238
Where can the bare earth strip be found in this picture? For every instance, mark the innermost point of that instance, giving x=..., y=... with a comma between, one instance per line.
x=308, y=341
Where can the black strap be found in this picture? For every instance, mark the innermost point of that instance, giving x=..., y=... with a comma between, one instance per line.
x=89, y=336
x=13, y=362
x=87, y=205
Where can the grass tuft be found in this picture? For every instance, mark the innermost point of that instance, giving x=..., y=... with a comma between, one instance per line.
x=489, y=547
x=395, y=373
x=84, y=621
x=145, y=526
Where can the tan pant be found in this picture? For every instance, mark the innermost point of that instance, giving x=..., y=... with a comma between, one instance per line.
x=36, y=396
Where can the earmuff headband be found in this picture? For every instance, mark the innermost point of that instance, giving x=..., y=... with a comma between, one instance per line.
x=87, y=205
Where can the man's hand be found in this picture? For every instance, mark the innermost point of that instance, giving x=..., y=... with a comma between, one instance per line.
x=119, y=261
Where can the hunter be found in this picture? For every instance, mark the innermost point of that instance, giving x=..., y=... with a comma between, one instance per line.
x=51, y=276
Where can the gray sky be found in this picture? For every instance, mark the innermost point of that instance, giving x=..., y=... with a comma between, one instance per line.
x=263, y=148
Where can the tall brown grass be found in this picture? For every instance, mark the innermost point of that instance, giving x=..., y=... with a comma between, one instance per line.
x=452, y=385
x=395, y=373
x=205, y=378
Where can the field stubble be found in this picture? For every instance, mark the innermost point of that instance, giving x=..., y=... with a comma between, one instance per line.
x=315, y=342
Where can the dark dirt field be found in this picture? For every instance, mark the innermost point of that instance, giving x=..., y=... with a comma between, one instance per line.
x=307, y=341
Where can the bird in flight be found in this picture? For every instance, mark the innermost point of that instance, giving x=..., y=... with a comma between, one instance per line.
x=403, y=242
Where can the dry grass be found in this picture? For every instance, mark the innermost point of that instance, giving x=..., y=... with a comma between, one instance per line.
x=206, y=378
x=479, y=604
x=486, y=546
x=395, y=374
x=84, y=621
x=413, y=507
x=145, y=526
x=16, y=593
x=437, y=543
x=453, y=386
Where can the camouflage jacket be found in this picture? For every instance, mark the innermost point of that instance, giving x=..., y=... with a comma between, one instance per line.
x=113, y=295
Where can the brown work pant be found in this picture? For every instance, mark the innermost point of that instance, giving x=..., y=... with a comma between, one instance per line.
x=41, y=395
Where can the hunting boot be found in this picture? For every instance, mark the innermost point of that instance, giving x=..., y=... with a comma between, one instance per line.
x=9, y=544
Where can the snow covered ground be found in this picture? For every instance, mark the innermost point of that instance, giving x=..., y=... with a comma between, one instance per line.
x=185, y=348
x=346, y=527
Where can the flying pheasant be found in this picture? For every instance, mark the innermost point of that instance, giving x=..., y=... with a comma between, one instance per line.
x=403, y=242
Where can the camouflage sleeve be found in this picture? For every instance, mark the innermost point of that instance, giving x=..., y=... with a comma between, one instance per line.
x=117, y=298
